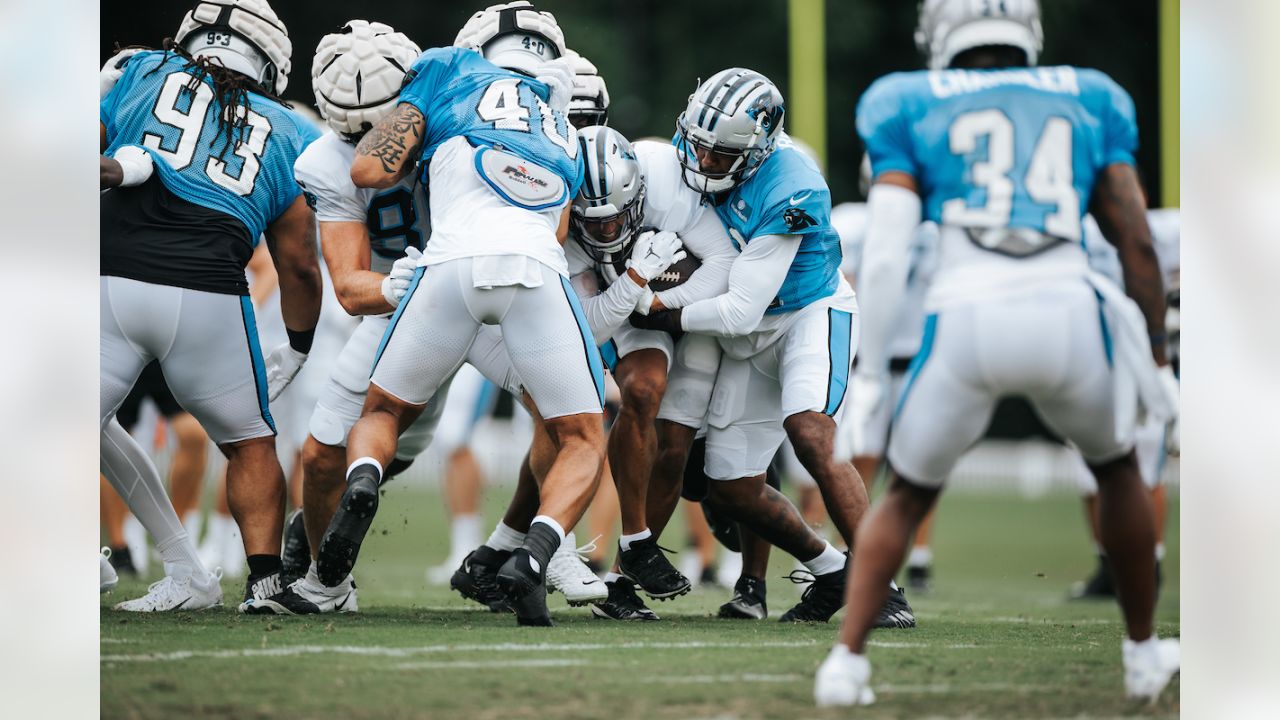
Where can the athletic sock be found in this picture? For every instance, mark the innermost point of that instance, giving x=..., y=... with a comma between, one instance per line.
x=504, y=538
x=1159, y=552
x=625, y=541
x=921, y=556
x=544, y=538
x=180, y=557
x=261, y=566
x=828, y=561
x=612, y=577
x=464, y=534
x=365, y=467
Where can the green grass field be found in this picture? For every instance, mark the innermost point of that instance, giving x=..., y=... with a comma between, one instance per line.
x=997, y=638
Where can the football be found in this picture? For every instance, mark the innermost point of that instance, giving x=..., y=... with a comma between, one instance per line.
x=677, y=274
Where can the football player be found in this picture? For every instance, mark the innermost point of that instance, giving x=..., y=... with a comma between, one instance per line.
x=786, y=326
x=200, y=151
x=589, y=104
x=501, y=163
x=1006, y=157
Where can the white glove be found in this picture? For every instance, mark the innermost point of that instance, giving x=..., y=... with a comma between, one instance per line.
x=866, y=394
x=396, y=284
x=113, y=69
x=135, y=165
x=655, y=252
x=283, y=365
x=1173, y=434
x=558, y=75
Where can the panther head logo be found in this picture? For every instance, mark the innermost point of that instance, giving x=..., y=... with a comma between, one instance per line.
x=797, y=219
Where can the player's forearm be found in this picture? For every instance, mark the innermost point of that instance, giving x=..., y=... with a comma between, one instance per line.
x=754, y=281
x=359, y=292
x=110, y=174
x=609, y=310
x=710, y=279
x=894, y=215
x=387, y=152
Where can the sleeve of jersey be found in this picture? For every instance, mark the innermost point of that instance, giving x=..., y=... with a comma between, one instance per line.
x=798, y=213
x=108, y=107
x=1120, y=125
x=754, y=280
x=885, y=128
x=426, y=73
x=607, y=311
x=332, y=196
x=706, y=240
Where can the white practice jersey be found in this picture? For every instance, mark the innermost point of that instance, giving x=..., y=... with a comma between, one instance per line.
x=669, y=205
x=397, y=217
x=1165, y=230
x=850, y=221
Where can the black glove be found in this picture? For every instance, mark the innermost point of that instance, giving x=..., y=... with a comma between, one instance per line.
x=667, y=321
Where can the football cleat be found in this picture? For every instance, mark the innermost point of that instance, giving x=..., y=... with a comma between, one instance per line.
x=623, y=604
x=747, y=602
x=121, y=560
x=821, y=600
x=1148, y=667
x=896, y=612
x=646, y=566
x=567, y=572
x=843, y=679
x=107, y=577
x=519, y=575
x=1099, y=585
x=477, y=578
x=169, y=594
x=296, y=557
x=531, y=608
x=307, y=596
x=341, y=543
x=920, y=578
x=258, y=593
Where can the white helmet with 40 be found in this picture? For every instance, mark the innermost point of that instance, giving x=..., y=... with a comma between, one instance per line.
x=513, y=35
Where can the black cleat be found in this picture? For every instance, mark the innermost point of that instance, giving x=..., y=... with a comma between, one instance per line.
x=822, y=599
x=525, y=588
x=341, y=543
x=708, y=577
x=1098, y=586
x=477, y=578
x=623, y=604
x=920, y=578
x=896, y=613
x=531, y=609
x=122, y=561
x=747, y=602
x=646, y=566
x=296, y=557
x=260, y=596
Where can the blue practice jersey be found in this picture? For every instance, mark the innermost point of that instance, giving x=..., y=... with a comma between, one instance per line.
x=463, y=95
x=787, y=195
x=1008, y=148
x=157, y=104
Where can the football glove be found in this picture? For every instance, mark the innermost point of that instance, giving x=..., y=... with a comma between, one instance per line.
x=655, y=252
x=283, y=365
x=135, y=165
x=113, y=69
x=396, y=284
x=558, y=76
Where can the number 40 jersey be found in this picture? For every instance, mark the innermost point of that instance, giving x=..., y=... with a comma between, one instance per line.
x=1009, y=154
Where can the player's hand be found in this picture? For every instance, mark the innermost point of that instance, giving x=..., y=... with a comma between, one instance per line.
x=655, y=252
x=113, y=69
x=866, y=394
x=283, y=365
x=135, y=165
x=396, y=284
x=1173, y=433
x=667, y=321
x=558, y=75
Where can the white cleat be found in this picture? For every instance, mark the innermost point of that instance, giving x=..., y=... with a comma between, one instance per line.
x=1149, y=666
x=843, y=679
x=568, y=572
x=107, y=577
x=170, y=594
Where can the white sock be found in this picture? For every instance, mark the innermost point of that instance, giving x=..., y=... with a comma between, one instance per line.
x=921, y=556
x=551, y=523
x=828, y=561
x=1159, y=552
x=127, y=467
x=363, y=461
x=464, y=534
x=612, y=577
x=504, y=538
x=626, y=540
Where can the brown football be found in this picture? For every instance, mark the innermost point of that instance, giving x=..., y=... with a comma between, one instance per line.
x=675, y=275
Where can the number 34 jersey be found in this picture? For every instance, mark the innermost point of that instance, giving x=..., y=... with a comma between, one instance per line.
x=195, y=222
x=1017, y=148
x=397, y=217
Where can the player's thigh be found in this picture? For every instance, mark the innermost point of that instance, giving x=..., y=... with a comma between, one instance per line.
x=427, y=337
x=470, y=397
x=127, y=336
x=553, y=350
x=944, y=407
x=744, y=421
x=814, y=360
x=627, y=340
x=215, y=367
x=691, y=381
x=418, y=437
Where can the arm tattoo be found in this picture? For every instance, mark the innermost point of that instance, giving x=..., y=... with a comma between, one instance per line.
x=394, y=139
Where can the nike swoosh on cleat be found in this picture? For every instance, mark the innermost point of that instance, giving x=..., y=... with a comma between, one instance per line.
x=342, y=604
x=181, y=604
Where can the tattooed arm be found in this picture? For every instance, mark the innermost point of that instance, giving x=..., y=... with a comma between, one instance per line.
x=388, y=151
x=1121, y=212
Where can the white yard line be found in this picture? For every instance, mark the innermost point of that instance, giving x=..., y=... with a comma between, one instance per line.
x=484, y=664
x=708, y=679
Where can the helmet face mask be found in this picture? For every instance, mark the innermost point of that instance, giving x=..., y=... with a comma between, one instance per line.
x=357, y=74
x=609, y=208
x=729, y=128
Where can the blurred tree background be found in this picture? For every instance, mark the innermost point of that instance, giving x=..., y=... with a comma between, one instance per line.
x=652, y=52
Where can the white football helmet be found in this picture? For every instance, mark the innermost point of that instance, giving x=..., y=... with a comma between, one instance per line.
x=514, y=35
x=738, y=115
x=949, y=27
x=244, y=35
x=610, y=205
x=357, y=74
x=590, y=102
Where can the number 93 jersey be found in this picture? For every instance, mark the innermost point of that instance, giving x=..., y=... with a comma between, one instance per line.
x=396, y=217
x=1015, y=148
x=160, y=104
x=463, y=95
